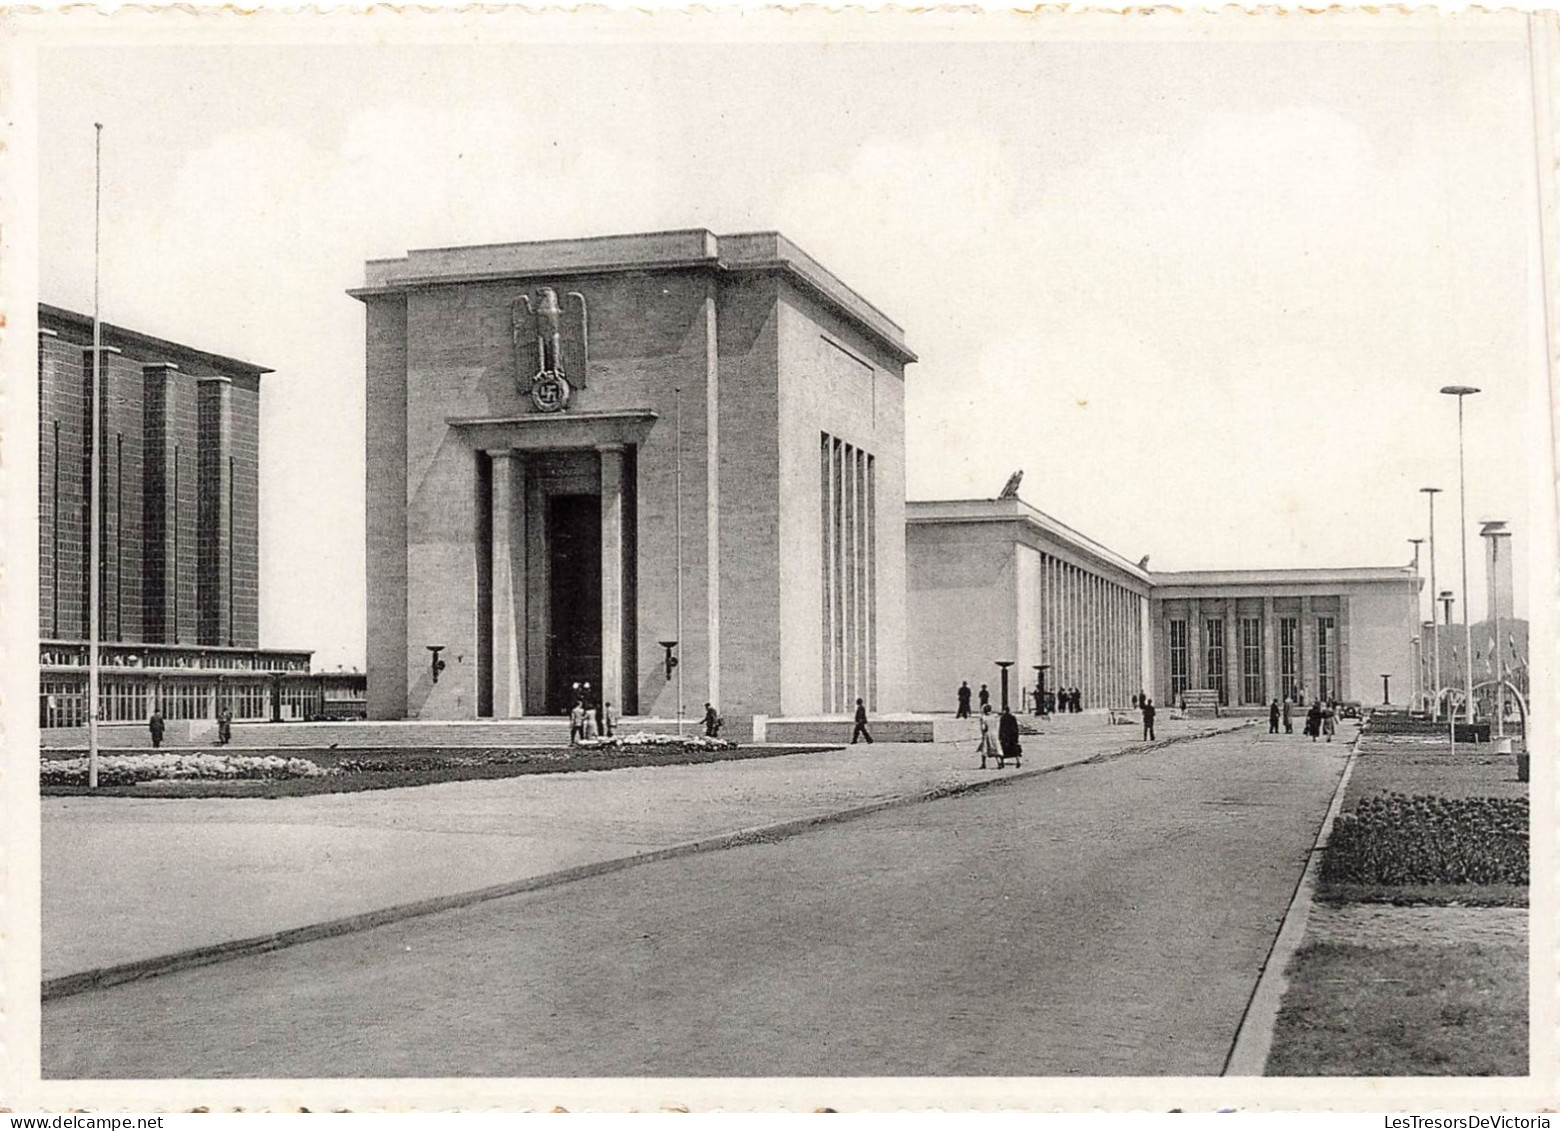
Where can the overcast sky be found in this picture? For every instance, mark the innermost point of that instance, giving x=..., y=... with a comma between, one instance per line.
x=1203, y=292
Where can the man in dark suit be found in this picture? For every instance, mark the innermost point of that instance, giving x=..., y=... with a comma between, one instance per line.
x=861, y=724
x=1148, y=720
x=964, y=700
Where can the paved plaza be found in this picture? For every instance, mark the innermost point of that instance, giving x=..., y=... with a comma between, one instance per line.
x=170, y=874
x=1111, y=918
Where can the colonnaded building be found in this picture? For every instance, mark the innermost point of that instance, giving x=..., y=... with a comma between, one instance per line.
x=676, y=459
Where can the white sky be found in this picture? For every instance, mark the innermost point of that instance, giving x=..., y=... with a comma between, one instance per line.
x=1203, y=292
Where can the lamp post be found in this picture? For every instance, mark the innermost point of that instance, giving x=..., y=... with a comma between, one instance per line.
x=1005, y=665
x=1435, y=633
x=1040, y=670
x=1451, y=715
x=1461, y=391
x=1415, y=690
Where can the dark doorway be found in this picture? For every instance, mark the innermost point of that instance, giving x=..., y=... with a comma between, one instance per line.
x=574, y=598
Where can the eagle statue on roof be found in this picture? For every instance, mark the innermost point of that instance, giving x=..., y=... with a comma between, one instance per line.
x=1011, y=490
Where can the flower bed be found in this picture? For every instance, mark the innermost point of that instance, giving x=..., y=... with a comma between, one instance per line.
x=657, y=741
x=129, y=769
x=1397, y=839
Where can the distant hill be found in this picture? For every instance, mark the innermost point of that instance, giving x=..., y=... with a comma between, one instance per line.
x=1451, y=641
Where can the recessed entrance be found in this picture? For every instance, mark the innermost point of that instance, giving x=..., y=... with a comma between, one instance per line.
x=573, y=543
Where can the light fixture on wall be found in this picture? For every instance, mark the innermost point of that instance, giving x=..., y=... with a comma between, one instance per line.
x=435, y=663
x=671, y=658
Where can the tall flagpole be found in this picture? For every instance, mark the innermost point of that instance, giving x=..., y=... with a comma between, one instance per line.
x=94, y=553
x=677, y=395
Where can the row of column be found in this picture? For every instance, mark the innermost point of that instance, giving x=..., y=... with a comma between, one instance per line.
x=509, y=555
x=848, y=517
x=1091, y=633
x=1306, y=675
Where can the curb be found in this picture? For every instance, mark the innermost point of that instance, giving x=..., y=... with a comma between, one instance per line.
x=1254, y=1038
x=105, y=977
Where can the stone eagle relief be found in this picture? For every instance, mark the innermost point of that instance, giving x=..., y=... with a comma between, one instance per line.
x=552, y=347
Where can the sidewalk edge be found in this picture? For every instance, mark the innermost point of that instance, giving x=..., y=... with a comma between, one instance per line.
x=1254, y=1039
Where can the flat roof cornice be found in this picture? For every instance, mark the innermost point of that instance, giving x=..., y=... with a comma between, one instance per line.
x=687, y=249
x=945, y=512
x=146, y=343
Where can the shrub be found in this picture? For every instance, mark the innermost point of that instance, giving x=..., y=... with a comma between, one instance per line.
x=1397, y=839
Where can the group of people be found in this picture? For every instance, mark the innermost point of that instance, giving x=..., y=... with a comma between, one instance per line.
x=587, y=722
x=1005, y=745
x=158, y=726
x=1068, y=700
x=1321, y=719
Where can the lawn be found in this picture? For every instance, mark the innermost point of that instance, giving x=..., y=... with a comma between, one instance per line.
x=350, y=771
x=1458, y=1010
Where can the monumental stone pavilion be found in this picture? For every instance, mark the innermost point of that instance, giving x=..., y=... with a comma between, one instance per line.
x=590, y=458
x=587, y=458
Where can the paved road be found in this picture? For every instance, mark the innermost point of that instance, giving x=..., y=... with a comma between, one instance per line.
x=1101, y=920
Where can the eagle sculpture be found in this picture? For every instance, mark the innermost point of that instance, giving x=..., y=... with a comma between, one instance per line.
x=552, y=346
x=1011, y=490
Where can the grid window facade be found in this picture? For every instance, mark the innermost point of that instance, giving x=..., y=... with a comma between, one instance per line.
x=1326, y=666
x=1215, y=657
x=1250, y=660
x=62, y=703
x=247, y=700
x=1289, y=657
x=1180, y=660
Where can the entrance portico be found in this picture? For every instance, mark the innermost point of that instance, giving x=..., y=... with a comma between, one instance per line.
x=556, y=598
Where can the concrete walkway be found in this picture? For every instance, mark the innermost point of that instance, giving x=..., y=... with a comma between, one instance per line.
x=127, y=879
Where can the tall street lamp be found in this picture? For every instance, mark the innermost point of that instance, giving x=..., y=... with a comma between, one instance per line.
x=1461, y=391
x=1435, y=633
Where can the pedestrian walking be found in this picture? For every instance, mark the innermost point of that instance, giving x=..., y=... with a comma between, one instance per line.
x=1007, y=739
x=609, y=720
x=987, y=748
x=1273, y=718
x=964, y=701
x=587, y=725
x=861, y=724
x=1313, y=721
x=1329, y=720
x=1148, y=719
x=224, y=725
x=712, y=721
x=577, y=722
x=1289, y=720
x=985, y=697
x=155, y=725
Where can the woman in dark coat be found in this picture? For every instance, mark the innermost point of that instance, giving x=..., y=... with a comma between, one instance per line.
x=1007, y=738
x=1313, y=721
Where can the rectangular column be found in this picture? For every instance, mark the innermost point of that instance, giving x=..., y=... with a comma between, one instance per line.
x=1305, y=666
x=1344, y=684
x=612, y=574
x=508, y=510
x=215, y=581
x=1270, y=688
x=1196, y=674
